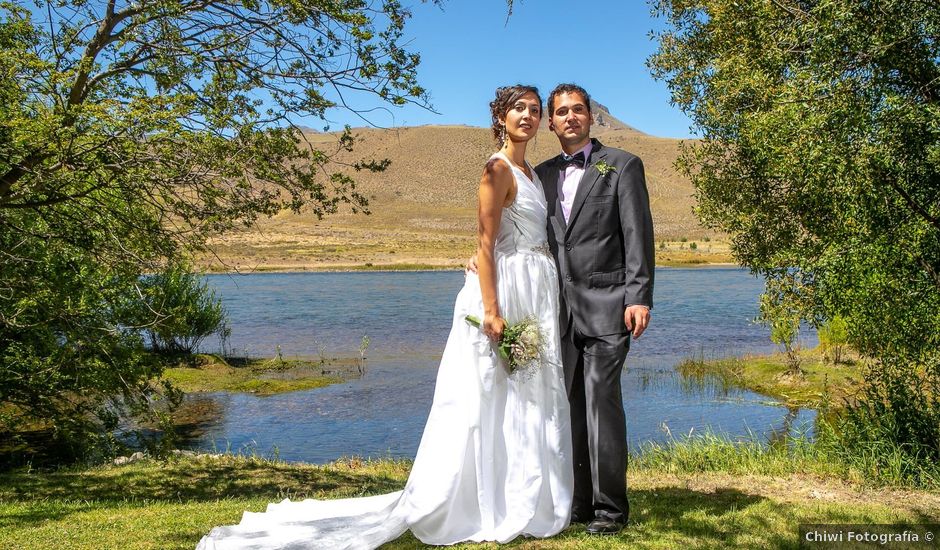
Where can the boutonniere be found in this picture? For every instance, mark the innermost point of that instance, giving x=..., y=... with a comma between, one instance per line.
x=604, y=168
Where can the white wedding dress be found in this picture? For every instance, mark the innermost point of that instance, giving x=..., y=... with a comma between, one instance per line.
x=495, y=458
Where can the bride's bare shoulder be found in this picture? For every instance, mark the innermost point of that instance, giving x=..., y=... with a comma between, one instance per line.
x=497, y=168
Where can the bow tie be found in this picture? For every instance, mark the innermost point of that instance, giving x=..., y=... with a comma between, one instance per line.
x=576, y=160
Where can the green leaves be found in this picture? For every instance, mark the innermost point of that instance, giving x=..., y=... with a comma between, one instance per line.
x=132, y=132
x=819, y=156
x=819, y=149
x=178, y=310
x=134, y=93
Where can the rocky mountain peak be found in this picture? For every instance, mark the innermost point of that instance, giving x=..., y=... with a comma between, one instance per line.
x=603, y=120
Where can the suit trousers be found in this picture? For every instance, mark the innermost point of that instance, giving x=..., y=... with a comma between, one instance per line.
x=593, y=365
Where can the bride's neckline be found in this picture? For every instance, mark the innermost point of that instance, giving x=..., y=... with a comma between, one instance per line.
x=516, y=166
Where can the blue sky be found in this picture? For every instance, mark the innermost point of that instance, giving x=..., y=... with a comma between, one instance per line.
x=468, y=49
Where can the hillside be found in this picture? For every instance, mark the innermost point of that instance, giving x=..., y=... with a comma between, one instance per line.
x=423, y=207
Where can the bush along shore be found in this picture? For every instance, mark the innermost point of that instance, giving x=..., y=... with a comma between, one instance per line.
x=857, y=436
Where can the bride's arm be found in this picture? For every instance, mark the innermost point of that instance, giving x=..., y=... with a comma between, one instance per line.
x=495, y=186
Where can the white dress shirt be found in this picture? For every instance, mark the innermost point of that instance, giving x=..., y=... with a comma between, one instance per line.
x=568, y=180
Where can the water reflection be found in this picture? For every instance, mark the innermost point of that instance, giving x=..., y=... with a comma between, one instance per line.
x=196, y=416
x=789, y=427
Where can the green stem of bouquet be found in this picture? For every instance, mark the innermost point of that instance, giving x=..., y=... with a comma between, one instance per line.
x=503, y=347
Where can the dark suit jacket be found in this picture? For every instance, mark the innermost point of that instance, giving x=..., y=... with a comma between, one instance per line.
x=605, y=252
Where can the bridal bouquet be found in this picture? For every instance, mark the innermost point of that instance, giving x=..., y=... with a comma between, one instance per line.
x=521, y=345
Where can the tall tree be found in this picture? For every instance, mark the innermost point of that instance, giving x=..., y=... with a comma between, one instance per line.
x=130, y=131
x=188, y=106
x=820, y=151
x=820, y=156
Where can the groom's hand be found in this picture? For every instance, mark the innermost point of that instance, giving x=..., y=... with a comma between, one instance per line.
x=636, y=318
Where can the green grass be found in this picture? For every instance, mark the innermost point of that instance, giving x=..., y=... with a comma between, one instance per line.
x=675, y=502
x=822, y=383
x=259, y=376
x=873, y=464
x=823, y=457
x=711, y=453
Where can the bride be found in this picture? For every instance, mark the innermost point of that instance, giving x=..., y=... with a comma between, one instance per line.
x=495, y=458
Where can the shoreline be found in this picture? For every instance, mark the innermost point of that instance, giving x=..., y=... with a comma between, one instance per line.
x=415, y=268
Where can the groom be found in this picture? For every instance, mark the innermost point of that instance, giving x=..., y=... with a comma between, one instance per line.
x=601, y=234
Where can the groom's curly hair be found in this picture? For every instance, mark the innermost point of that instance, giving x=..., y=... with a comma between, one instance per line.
x=568, y=88
x=506, y=97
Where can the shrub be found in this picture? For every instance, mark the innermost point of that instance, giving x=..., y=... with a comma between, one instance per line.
x=181, y=310
x=833, y=338
x=780, y=311
x=892, y=431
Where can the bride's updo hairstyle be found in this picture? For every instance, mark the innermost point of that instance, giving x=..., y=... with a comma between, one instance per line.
x=506, y=97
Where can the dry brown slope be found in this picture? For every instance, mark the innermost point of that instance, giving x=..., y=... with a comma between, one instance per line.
x=424, y=205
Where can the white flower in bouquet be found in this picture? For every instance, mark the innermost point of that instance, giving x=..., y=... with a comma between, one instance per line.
x=522, y=343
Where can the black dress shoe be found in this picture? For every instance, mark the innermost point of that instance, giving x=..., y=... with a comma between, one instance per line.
x=604, y=526
x=578, y=516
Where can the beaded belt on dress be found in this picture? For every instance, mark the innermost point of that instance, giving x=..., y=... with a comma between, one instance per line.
x=542, y=249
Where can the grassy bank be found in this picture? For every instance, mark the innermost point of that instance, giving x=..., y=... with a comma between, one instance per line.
x=674, y=502
x=821, y=383
x=340, y=267
x=685, y=253
x=677, y=258
x=260, y=376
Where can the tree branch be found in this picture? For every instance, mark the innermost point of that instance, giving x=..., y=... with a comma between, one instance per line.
x=913, y=205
